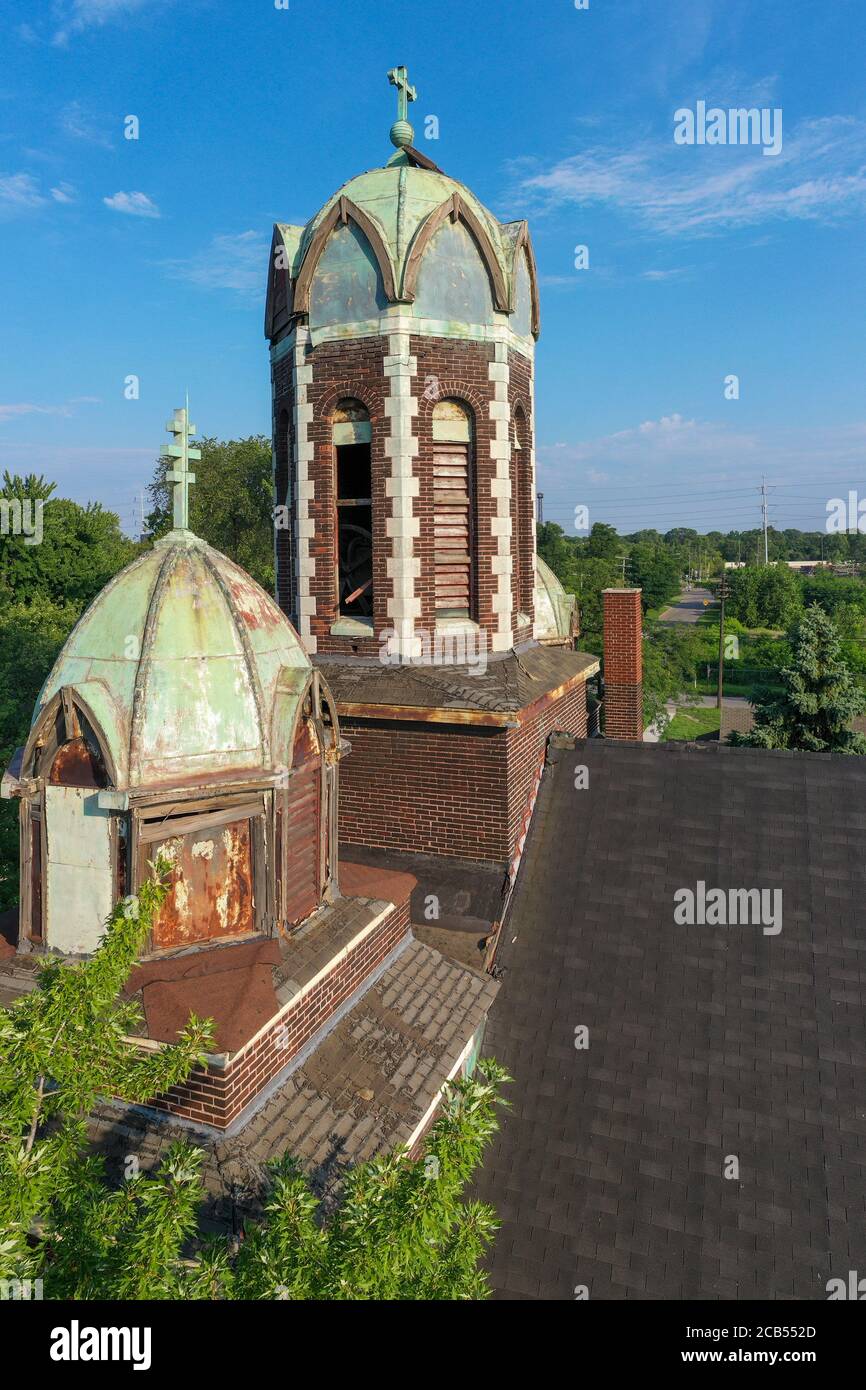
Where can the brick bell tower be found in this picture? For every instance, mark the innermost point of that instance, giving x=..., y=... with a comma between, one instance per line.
x=402, y=321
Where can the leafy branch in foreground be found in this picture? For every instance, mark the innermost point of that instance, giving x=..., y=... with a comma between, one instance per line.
x=61, y=1048
x=401, y=1229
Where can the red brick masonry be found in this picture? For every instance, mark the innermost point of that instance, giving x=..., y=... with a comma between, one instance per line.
x=217, y=1094
x=459, y=790
x=623, y=664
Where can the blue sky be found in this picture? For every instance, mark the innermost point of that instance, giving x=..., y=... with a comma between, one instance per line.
x=148, y=257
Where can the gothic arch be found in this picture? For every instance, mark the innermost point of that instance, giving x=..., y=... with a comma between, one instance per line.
x=351, y=390
x=277, y=303
x=342, y=211
x=523, y=245
x=66, y=719
x=455, y=207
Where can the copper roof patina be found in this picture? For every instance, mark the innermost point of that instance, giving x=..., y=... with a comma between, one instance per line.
x=182, y=659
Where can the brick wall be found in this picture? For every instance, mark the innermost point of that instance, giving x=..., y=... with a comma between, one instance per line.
x=526, y=749
x=623, y=664
x=446, y=789
x=215, y=1095
x=445, y=367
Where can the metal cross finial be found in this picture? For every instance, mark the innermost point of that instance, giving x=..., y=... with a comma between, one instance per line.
x=402, y=133
x=180, y=475
x=399, y=78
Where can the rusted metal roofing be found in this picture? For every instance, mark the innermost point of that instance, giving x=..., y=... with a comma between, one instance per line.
x=185, y=663
x=501, y=694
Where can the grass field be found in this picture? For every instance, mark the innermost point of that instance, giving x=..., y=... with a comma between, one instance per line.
x=692, y=723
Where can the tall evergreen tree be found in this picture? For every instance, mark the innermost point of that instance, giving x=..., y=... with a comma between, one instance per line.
x=819, y=697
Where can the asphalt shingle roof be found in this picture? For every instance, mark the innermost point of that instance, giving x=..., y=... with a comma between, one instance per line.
x=704, y=1041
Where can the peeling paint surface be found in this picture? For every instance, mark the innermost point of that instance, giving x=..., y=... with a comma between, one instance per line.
x=211, y=886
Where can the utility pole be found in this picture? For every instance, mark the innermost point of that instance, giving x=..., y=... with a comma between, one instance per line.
x=624, y=561
x=723, y=594
x=540, y=500
x=764, y=516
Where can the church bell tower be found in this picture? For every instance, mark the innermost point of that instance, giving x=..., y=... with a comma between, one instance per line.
x=402, y=322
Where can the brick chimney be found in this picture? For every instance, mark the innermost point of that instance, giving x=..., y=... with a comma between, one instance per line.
x=623, y=665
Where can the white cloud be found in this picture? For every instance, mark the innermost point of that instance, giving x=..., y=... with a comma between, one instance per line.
x=22, y=408
x=135, y=204
x=63, y=193
x=78, y=125
x=677, y=471
x=820, y=174
x=19, y=193
x=231, y=262
x=76, y=16
x=14, y=412
x=672, y=274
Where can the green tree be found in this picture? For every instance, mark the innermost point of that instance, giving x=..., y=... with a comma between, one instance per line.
x=401, y=1230
x=765, y=595
x=79, y=550
x=603, y=543
x=670, y=655
x=655, y=572
x=31, y=635
x=61, y=1047
x=557, y=550
x=819, y=697
x=231, y=502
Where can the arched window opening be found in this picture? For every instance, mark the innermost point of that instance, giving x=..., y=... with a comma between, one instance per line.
x=453, y=511
x=352, y=435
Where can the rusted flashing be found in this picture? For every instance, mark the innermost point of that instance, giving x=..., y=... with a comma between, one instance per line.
x=421, y=161
x=454, y=207
x=342, y=211
x=421, y=714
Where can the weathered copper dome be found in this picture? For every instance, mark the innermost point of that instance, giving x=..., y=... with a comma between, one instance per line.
x=189, y=668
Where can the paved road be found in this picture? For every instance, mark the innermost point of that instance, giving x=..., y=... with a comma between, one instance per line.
x=688, y=607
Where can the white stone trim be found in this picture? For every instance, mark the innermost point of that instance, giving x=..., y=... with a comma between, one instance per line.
x=425, y=328
x=302, y=378
x=403, y=567
x=500, y=492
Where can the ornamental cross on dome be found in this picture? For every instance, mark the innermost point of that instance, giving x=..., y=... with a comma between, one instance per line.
x=402, y=133
x=180, y=475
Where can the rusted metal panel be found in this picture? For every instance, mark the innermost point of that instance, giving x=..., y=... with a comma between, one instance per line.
x=211, y=891
x=77, y=765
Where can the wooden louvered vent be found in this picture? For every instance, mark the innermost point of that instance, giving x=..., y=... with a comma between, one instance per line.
x=452, y=512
